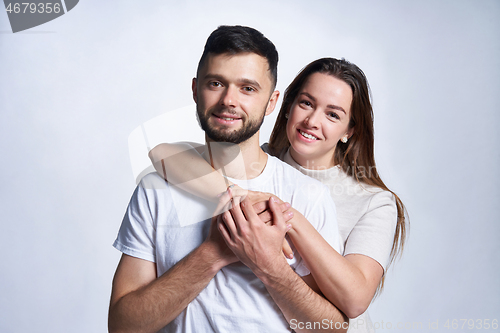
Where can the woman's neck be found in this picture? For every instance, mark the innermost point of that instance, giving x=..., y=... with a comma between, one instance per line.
x=322, y=163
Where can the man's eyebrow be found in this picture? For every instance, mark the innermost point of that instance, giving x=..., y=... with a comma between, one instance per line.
x=209, y=76
x=240, y=81
x=330, y=106
x=250, y=82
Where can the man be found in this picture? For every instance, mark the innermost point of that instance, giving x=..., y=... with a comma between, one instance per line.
x=184, y=277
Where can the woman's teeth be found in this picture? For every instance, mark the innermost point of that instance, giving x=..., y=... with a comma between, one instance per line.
x=309, y=136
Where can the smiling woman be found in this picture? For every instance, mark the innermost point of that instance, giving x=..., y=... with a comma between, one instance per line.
x=318, y=119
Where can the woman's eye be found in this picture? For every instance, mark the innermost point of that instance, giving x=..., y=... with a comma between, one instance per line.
x=305, y=103
x=333, y=115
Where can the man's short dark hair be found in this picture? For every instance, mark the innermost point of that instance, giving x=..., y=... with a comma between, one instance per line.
x=238, y=39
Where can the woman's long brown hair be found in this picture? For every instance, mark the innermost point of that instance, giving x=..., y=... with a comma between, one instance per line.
x=356, y=157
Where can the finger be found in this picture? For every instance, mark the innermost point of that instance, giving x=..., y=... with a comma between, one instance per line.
x=260, y=207
x=287, y=215
x=278, y=200
x=236, y=200
x=266, y=216
x=224, y=202
x=284, y=206
x=277, y=214
x=228, y=221
x=263, y=206
x=237, y=215
x=247, y=208
x=221, y=226
x=287, y=250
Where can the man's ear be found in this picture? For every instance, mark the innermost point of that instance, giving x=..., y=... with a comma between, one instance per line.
x=272, y=102
x=195, y=90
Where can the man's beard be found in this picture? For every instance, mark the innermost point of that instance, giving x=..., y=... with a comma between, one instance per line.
x=236, y=137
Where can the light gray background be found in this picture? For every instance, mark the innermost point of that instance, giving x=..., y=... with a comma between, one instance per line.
x=72, y=91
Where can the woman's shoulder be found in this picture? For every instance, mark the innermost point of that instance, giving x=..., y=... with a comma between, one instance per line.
x=265, y=147
x=361, y=189
x=281, y=154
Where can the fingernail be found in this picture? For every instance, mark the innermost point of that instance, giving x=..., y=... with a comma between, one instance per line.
x=290, y=256
x=274, y=199
x=288, y=227
x=290, y=214
x=287, y=205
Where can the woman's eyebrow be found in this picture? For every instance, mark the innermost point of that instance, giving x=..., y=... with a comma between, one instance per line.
x=330, y=106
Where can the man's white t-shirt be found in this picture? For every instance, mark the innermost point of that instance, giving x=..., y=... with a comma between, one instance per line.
x=235, y=300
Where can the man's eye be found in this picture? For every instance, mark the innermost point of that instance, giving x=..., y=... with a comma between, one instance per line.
x=248, y=89
x=215, y=84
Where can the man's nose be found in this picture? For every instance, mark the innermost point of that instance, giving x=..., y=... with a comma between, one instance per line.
x=230, y=97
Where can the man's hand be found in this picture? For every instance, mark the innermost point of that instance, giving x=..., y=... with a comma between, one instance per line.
x=215, y=239
x=260, y=202
x=256, y=244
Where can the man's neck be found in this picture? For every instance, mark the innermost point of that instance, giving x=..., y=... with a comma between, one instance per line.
x=238, y=161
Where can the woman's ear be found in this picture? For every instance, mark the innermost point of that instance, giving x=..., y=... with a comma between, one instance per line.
x=350, y=132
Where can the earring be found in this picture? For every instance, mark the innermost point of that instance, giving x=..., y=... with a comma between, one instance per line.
x=286, y=115
x=344, y=139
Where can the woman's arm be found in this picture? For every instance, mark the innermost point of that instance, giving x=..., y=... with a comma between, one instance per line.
x=349, y=282
x=182, y=165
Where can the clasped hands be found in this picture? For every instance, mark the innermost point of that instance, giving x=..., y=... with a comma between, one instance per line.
x=251, y=227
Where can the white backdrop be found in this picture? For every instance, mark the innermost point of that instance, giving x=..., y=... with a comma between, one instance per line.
x=74, y=89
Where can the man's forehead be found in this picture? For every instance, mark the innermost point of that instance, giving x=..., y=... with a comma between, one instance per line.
x=249, y=64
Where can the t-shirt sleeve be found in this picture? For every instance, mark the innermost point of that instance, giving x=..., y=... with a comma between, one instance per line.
x=323, y=216
x=136, y=235
x=373, y=234
x=265, y=148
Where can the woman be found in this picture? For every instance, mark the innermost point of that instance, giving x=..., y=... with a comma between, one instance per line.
x=325, y=130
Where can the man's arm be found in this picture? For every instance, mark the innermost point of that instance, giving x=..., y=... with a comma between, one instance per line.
x=259, y=247
x=140, y=302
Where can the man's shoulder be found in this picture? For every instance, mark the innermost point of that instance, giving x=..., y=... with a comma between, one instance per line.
x=153, y=180
x=153, y=188
x=295, y=175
